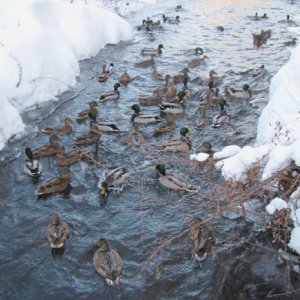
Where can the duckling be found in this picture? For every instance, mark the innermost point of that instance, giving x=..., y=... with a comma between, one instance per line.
x=135, y=138
x=64, y=159
x=125, y=78
x=47, y=150
x=166, y=125
x=234, y=94
x=172, y=181
x=157, y=75
x=259, y=72
x=183, y=144
x=104, y=74
x=138, y=118
x=111, y=95
x=201, y=239
x=90, y=137
x=194, y=51
x=56, y=184
x=152, y=51
x=145, y=63
x=151, y=100
x=170, y=92
x=32, y=167
x=57, y=231
x=107, y=262
x=291, y=43
x=84, y=115
x=175, y=20
x=179, y=78
x=64, y=129
x=110, y=69
x=196, y=62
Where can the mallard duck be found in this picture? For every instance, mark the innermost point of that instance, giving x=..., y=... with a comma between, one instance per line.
x=160, y=91
x=194, y=51
x=125, y=78
x=56, y=184
x=103, y=125
x=47, y=150
x=175, y=20
x=107, y=262
x=173, y=107
x=111, y=95
x=179, y=78
x=234, y=94
x=84, y=115
x=145, y=63
x=259, y=72
x=183, y=144
x=166, y=125
x=64, y=159
x=222, y=117
x=220, y=28
x=196, y=62
x=32, y=167
x=211, y=81
x=90, y=137
x=135, y=138
x=116, y=177
x=157, y=75
x=172, y=181
x=64, y=129
x=260, y=39
x=165, y=18
x=201, y=239
x=178, y=7
x=110, y=69
x=104, y=74
x=138, y=118
x=257, y=17
x=152, y=51
x=151, y=100
x=57, y=231
x=291, y=43
x=170, y=92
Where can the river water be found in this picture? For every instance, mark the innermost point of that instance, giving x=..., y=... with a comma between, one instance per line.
x=145, y=223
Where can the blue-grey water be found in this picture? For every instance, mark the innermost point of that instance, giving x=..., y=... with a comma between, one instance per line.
x=145, y=221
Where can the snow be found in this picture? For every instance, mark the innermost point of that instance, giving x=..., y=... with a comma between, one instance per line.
x=294, y=241
x=276, y=204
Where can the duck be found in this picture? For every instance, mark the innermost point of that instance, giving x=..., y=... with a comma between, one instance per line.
x=64, y=159
x=201, y=239
x=135, y=138
x=64, y=129
x=115, y=178
x=145, y=63
x=90, y=137
x=183, y=144
x=166, y=125
x=222, y=117
x=234, y=94
x=103, y=125
x=55, y=185
x=211, y=81
x=32, y=167
x=178, y=7
x=220, y=28
x=152, y=51
x=165, y=18
x=138, y=118
x=157, y=75
x=110, y=69
x=194, y=51
x=84, y=115
x=259, y=72
x=161, y=90
x=47, y=150
x=172, y=181
x=260, y=40
x=104, y=74
x=173, y=107
x=170, y=92
x=257, y=17
x=150, y=100
x=206, y=147
x=179, y=78
x=125, y=78
x=175, y=20
x=107, y=262
x=111, y=95
x=292, y=42
x=196, y=62
x=57, y=231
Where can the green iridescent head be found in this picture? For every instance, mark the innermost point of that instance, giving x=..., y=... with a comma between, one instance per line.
x=161, y=169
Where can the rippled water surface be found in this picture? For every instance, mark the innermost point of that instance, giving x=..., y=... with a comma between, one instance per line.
x=140, y=220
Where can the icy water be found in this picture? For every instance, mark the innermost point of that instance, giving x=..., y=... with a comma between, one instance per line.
x=145, y=222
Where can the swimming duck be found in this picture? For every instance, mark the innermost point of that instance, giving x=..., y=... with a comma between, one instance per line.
x=145, y=63
x=161, y=90
x=220, y=28
x=172, y=181
x=56, y=184
x=179, y=78
x=291, y=43
x=183, y=144
x=165, y=18
x=111, y=95
x=166, y=125
x=195, y=51
x=32, y=167
x=234, y=94
x=116, y=177
x=135, y=138
x=138, y=118
x=196, y=62
x=47, y=150
x=90, y=137
x=157, y=75
x=125, y=78
x=222, y=117
x=173, y=107
x=103, y=125
x=175, y=20
x=259, y=72
x=211, y=81
x=178, y=7
x=152, y=51
x=201, y=239
x=151, y=100
x=57, y=231
x=104, y=74
x=257, y=18
x=64, y=159
x=66, y=128
x=107, y=262
x=206, y=147
x=84, y=115
x=110, y=69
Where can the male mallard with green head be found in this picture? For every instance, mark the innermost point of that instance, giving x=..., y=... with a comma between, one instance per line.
x=172, y=181
x=201, y=239
x=173, y=107
x=103, y=125
x=57, y=231
x=152, y=51
x=222, y=117
x=111, y=95
x=56, y=184
x=175, y=20
x=47, y=150
x=234, y=94
x=138, y=118
x=64, y=129
x=107, y=262
x=32, y=167
x=182, y=144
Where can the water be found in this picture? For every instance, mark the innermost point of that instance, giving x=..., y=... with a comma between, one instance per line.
x=144, y=222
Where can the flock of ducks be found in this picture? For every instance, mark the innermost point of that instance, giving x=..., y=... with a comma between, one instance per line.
x=170, y=102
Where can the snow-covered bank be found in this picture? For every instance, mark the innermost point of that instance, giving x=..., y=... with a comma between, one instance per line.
x=41, y=43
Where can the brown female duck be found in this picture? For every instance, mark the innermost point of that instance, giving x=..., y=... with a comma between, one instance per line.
x=90, y=137
x=64, y=129
x=84, y=115
x=64, y=159
x=47, y=150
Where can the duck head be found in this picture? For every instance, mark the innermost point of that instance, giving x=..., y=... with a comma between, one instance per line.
x=136, y=108
x=54, y=139
x=103, y=245
x=185, y=131
x=198, y=50
x=28, y=153
x=116, y=86
x=161, y=169
x=68, y=121
x=66, y=173
x=181, y=94
x=54, y=219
